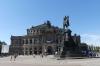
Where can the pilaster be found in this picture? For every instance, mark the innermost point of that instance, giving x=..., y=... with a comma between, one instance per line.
x=28, y=41
x=33, y=50
x=32, y=40
x=28, y=50
x=24, y=53
x=24, y=41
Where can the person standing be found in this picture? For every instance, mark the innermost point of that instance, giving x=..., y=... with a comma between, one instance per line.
x=42, y=55
x=45, y=54
x=11, y=58
x=34, y=55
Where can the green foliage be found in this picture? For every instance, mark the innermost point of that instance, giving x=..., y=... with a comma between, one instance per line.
x=84, y=43
x=97, y=48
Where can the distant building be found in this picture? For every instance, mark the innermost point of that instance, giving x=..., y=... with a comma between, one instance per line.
x=39, y=39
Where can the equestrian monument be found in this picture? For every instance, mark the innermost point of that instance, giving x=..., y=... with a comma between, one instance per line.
x=69, y=46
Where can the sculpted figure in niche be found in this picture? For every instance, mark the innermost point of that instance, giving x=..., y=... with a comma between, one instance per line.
x=75, y=39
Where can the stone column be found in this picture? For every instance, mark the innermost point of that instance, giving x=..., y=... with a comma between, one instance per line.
x=28, y=50
x=42, y=40
x=38, y=50
x=54, y=48
x=38, y=40
x=24, y=52
x=24, y=41
x=28, y=41
x=32, y=49
x=45, y=48
x=32, y=40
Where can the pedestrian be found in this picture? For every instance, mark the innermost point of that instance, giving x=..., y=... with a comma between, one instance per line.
x=11, y=58
x=34, y=55
x=97, y=54
x=42, y=55
x=14, y=57
x=45, y=54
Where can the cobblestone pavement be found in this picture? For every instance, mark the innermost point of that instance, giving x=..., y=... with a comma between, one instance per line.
x=30, y=61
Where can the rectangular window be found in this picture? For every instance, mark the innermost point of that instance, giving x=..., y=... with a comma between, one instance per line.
x=35, y=48
x=40, y=40
x=40, y=48
x=35, y=41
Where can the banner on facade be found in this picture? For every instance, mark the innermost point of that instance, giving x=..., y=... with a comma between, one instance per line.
x=5, y=49
x=48, y=41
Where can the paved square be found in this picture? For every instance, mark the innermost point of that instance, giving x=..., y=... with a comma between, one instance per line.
x=30, y=61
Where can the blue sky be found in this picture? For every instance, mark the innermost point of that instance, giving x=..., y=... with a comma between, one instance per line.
x=18, y=15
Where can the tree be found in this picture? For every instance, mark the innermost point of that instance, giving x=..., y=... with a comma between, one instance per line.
x=84, y=43
x=97, y=48
x=2, y=43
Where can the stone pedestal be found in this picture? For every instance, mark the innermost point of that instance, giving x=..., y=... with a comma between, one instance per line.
x=70, y=48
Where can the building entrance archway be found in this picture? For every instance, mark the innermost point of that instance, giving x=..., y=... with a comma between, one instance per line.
x=49, y=50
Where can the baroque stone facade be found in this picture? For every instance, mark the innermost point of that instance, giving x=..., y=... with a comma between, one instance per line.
x=39, y=39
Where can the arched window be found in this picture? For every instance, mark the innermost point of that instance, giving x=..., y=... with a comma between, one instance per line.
x=31, y=41
x=35, y=48
x=34, y=30
x=30, y=48
x=60, y=40
x=40, y=40
x=23, y=41
x=26, y=41
x=40, y=31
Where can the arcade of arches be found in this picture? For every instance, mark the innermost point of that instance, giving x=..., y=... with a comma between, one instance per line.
x=39, y=50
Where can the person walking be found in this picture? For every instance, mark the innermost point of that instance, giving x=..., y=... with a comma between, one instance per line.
x=14, y=57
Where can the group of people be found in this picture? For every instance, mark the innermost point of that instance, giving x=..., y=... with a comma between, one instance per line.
x=92, y=54
x=41, y=55
x=13, y=57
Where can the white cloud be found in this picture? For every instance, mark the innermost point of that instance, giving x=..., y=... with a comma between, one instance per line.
x=91, y=39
